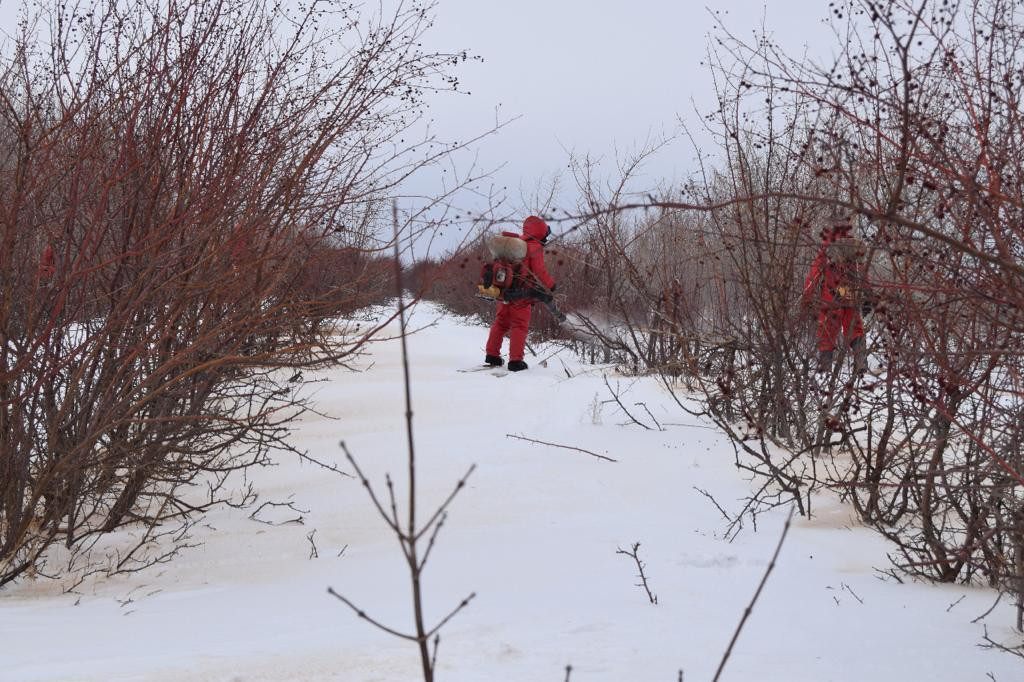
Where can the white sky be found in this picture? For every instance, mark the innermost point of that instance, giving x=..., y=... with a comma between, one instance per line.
x=585, y=76
x=593, y=76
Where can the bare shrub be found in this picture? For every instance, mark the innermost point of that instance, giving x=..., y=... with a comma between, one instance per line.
x=898, y=139
x=207, y=177
x=913, y=134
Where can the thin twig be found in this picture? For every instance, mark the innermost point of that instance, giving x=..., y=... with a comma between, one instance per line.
x=362, y=614
x=992, y=644
x=433, y=657
x=409, y=546
x=556, y=445
x=444, y=505
x=623, y=407
x=369, y=489
x=708, y=495
x=313, y=554
x=324, y=465
x=463, y=604
x=750, y=606
x=433, y=539
x=634, y=553
x=692, y=426
x=391, y=499
x=409, y=536
x=287, y=505
x=644, y=405
x=850, y=590
x=992, y=608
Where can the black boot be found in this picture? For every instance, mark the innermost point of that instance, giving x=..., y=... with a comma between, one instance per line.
x=517, y=365
x=493, y=361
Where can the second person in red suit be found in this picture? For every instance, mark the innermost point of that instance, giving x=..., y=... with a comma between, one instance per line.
x=837, y=283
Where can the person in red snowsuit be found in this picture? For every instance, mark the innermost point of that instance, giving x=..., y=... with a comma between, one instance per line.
x=513, y=317
x=840, y=287
x=47, y=264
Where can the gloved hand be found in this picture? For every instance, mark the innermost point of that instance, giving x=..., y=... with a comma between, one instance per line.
x=488, y=292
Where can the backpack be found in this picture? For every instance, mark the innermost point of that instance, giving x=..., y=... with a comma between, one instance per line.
x=846, y=251
x=505, y=275
x=846, y=260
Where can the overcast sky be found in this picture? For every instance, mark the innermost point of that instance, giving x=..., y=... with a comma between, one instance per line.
x=590, y=76
x=586, y=76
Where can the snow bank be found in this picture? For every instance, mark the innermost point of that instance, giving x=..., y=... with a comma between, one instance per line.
x=535, y=535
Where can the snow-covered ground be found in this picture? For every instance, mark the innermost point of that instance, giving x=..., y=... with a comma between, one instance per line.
x=534, y=534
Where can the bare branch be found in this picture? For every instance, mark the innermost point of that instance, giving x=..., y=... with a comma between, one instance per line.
x=565, y=447
x=362, y=614
x=757, y=593
x=633, y=553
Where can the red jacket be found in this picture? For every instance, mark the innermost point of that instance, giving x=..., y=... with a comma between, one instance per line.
x=47, y=264
x=838, y=285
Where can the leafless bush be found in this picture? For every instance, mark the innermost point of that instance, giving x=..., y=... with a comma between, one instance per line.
x=174, y=169
x=913, y=135
x=916, y=130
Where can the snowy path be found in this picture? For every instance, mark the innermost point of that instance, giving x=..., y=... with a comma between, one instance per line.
x=534, y=535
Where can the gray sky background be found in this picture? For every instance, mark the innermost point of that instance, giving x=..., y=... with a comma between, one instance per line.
x=585, y=76
x=597, y=76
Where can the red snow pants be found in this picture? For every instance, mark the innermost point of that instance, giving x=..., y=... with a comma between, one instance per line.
x=831, y=320
x=512, y=319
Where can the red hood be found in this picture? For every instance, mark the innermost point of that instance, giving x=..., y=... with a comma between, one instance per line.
x=535, y=228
